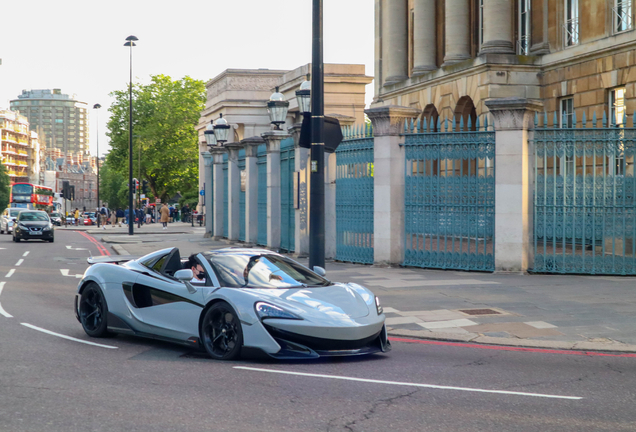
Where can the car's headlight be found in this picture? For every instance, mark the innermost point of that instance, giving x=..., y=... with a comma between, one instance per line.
x=47, y=228
x=378, y=306
x=22, y=225
x=266, y=310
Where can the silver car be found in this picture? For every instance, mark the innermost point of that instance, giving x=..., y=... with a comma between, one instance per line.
x=230, y=300
x=8, y=219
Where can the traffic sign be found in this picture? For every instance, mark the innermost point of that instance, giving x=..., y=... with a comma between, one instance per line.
x=202, y=192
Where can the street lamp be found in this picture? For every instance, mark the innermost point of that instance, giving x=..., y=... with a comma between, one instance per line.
x=277, y=108
x=210, y=138
x=221, y=130
x=96, y=107
x=303, y=96
x=130, y=42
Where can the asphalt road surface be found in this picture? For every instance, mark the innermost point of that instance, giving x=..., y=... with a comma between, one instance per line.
x=52, y=380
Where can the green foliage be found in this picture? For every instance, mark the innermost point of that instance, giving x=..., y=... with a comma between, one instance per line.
x=113, y=187
x=5, y=187
x=165, y=143
x=191, y=198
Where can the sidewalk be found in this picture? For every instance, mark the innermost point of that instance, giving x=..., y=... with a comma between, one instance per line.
x=547, y=311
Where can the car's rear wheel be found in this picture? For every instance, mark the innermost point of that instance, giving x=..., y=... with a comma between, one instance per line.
x=221, y=332
x=93, y=310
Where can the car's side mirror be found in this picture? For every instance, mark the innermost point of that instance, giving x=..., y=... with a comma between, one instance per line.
x=184, y=275
x=320, y=271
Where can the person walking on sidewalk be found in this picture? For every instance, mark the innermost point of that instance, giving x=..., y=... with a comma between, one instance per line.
x=165, y=216
x=103, y=216
x=120, y=216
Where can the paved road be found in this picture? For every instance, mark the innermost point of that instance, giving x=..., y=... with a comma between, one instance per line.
x=48, y=383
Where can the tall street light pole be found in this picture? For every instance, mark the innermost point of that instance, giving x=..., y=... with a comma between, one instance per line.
x=130, y=42
x=317, y=176
x=96, y=107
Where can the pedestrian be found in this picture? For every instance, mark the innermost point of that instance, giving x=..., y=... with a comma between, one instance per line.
x=76, y=215
x=165, y=216
x=103, y=216
x=119, y=215
x=184, y=213
x=148, y=214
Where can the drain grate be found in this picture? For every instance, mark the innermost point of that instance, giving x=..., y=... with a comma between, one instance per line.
x=480, y=312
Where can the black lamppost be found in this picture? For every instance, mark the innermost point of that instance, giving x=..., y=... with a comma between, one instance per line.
x=96, y=107
x=317, y=176
x=130, y=42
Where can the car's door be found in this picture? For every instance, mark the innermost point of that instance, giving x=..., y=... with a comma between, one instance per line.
x=165, y=304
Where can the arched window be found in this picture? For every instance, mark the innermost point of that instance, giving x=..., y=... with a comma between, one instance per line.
x=465, y=109
x=431, y=115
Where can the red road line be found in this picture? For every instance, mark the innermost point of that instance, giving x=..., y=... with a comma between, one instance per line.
x=508, y=348
x=102, y=250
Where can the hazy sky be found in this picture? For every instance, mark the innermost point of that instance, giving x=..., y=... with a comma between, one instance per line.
x=77, y=45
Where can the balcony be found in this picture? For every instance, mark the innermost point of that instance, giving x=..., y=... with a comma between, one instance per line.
x=22, y=164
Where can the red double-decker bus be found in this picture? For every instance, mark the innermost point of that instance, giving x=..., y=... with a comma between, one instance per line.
x=31, y=196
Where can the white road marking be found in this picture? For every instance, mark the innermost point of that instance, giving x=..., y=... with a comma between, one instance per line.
x=25, y=254
x=2, y=311
x=409, y=384
x=65, y=273
x=67, y=337
x=20, y=261
x=10, y=273
x=72, y=248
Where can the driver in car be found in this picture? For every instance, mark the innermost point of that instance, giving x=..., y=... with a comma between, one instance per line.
x=197, y=270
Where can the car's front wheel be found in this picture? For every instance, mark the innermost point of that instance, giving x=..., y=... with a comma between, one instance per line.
x=221, y=332
x=93, y=310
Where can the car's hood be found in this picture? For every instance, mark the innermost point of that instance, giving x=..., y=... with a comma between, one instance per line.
x=35, y=223
x=337, y=301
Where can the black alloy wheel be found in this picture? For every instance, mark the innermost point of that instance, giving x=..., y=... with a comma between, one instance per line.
x=221, y=332
x=93, y=310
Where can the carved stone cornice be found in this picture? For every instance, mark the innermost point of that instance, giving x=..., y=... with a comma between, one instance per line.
x=513, y=113
x=389, y=120
x=273, y=138
x=251, y=145
x=217, y=155
x=207, y=158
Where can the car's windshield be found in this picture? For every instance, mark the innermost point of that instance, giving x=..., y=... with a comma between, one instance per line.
x=239, y=270
x=33, y=216
x=14, y=213
x=55, y=215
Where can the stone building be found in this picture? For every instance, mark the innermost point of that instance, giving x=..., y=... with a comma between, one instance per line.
x=553, y=196
x=241, y=95
x=80, y=170
x=448, y=57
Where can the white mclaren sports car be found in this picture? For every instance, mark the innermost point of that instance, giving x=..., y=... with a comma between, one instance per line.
x=229, y=301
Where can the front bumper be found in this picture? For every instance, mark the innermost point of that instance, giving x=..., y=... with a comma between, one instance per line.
x=298, y=346
x=28, y=235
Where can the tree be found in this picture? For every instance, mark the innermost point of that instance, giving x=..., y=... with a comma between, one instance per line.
x=113, y=187
x=5, y=187
x=165, y=143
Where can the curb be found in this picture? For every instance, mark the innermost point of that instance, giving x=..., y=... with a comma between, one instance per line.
x=514, y=342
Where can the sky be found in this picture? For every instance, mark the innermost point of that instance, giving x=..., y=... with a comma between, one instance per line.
x=77, y=45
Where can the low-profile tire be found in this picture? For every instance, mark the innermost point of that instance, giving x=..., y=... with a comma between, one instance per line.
x=16, y=239
x=51, y=240
x=93, y=311
x=221, y=332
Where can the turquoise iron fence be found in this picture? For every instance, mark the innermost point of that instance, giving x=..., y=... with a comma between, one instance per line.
x=449, y=195
x=354, y=196
x=584, y=197
x=287, y=216
x=261, y=163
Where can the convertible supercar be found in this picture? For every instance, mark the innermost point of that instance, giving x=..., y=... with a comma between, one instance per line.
x=229, y=300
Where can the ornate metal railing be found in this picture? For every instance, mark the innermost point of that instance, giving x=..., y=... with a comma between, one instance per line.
x=584, y=198
x=449, y=195
x=354, y=195
x=241, y=167
x=288, y=216
x=226, y=202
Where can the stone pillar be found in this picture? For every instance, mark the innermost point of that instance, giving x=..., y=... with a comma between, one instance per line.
x=330, y=205
x=272, y=140
x=218, y=184
x=514, y=181
x=424, y=40
x=251, y=188
x=457, y=31
x=397, y=41
x=389, y=182
x=498, y=36
x=301, y=214
x=233, y=191
x=209, y=219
